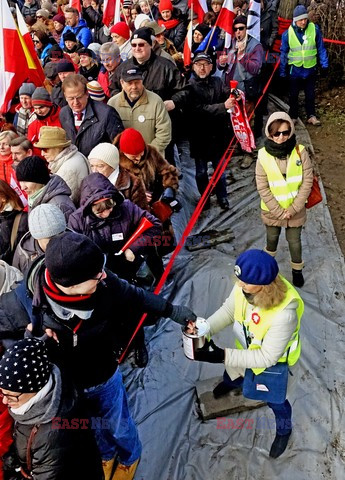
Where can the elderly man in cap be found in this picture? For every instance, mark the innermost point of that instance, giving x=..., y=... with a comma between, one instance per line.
x=160, y=75
x=205, y=100
x=47, y=114
x=80, y=304
x=25, y=110
x=143, y=110
x=40, y=401
x=301, y=48
x=86, y=121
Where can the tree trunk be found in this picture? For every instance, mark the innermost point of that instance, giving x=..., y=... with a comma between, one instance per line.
x=286, y=8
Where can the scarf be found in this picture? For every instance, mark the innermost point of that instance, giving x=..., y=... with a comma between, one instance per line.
x=241, y=45
x=169, y=24
x=241, y=125
x=34, y=196
x=281, y=150
x=74, y=302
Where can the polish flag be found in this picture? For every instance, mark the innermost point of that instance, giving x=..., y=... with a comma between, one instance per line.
x=226, y=16
x=199, y=7
x=36, y=74
x=187, y=48
x=111, y=12
x=13, y=62
x=75, y=4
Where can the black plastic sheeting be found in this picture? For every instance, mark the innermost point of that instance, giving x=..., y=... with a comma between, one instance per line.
x=176, y=443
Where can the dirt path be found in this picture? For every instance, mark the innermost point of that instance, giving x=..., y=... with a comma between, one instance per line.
x=329, y=145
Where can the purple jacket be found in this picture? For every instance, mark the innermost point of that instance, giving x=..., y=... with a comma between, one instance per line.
x=111, y=234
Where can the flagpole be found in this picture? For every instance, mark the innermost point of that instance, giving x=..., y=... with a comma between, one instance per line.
x=210, y=39
x=148, y=3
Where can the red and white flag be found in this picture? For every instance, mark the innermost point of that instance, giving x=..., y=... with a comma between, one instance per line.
x=241, y=125
x=36, y=74
x=199, y=7
x=75, y=4
x=13, y=62
x=187, y=47
x=111, y=12
x=226, y=16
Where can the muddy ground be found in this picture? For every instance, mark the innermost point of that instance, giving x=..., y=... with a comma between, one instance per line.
x=329, y=145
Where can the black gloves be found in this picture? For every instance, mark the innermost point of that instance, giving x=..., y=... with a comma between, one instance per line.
x=182, y=314
x=215, y=355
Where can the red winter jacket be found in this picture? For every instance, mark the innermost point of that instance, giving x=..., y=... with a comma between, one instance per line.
x=6, y=438
x=6, y=168
x=51, y=121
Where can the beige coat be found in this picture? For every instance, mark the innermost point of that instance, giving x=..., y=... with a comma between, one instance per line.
x=72, y=166
x=149, y=116
x=274, y=217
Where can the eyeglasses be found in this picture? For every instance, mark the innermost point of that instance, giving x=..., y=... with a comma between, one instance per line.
x=138, y=45
x=39, y=16
x=202, y=65
x=11, y=398
x=101, y=207
x=285, y=133
x=239, y=28
x=36, y=41
x=75, y=99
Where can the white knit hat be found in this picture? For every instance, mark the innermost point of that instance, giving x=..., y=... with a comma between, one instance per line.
x=46, y=221
x=106, y=152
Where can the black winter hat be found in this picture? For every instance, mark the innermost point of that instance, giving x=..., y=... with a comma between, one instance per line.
x=203, y=29
x=69, y=35
x=33, y=169
x=64, y=66
x=25, y=368
x=143, y=33
x=242, y=19
x=72, y=258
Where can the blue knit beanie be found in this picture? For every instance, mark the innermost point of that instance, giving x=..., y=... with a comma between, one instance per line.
x=256, y=267
x=299, y=13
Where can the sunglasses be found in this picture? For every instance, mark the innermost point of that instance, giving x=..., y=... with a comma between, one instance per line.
x=39, y=16
x=101, y=207
x=285, y=133
x=139, y=45
x=239, y=28
x=36, y=41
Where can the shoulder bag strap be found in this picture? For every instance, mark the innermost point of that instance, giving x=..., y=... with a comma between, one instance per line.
x=15, y=228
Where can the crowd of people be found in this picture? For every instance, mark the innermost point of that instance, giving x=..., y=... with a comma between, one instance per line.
x=89, y=181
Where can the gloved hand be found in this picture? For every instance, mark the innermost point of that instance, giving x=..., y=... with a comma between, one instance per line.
x=204, y=354
x=182, y=314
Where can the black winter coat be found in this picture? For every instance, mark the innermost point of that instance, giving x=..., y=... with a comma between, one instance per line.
x=101, y=124
x=160, y=76
x=57, y=453
x=57, y=96
x=111, y=234
x=269, y=24
x=6, y=225
x=89, y=358
x=209, y=128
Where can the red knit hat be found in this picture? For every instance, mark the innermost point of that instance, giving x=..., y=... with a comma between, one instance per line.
x=132, y=142
x=165, y=5
x=122, y=29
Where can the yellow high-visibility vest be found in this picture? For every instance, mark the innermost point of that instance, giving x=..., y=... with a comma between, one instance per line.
x=305, y=54
x=256, y=332
x=283, y=189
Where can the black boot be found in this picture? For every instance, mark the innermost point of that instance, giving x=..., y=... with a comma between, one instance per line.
x=297, y=278
x=221, y=389
x=279, y=445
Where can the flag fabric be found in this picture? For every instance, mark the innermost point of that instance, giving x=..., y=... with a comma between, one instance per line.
x=36, y=74
x=213, y=43
x=75, y=4
x=253, y=21
x=187, y=48
x=241, y=126
x=13, y=62
x=226, y=16
x=199, y=7
x=111, y=12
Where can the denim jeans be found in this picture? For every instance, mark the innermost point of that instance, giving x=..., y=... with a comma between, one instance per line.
x=293, y=237
x=282, y=411
x=114, y=428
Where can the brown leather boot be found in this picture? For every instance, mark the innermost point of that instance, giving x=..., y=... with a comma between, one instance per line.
x=123, y=472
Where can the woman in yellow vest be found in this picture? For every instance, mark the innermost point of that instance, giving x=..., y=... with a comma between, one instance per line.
x=265, y=311
x=284, y=177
